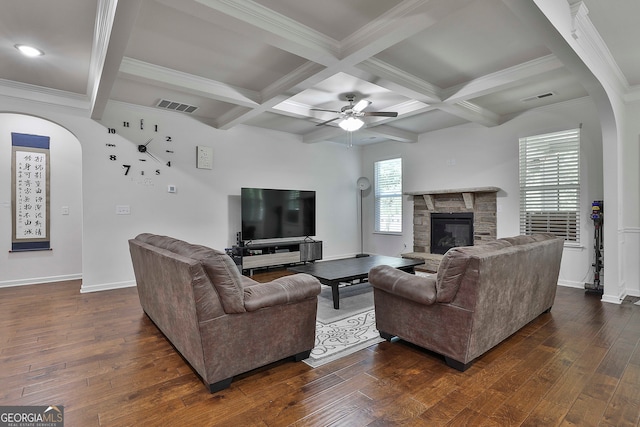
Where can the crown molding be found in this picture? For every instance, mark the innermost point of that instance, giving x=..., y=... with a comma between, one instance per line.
x=77, y=103
x=586, y=35
x=633, y=94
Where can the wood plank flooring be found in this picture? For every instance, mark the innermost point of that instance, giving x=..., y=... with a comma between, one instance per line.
x=100, y=356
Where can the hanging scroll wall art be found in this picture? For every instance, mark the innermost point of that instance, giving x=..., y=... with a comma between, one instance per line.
x=30, y=192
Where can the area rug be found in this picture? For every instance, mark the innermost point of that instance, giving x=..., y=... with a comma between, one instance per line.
x=353, y=299
x=346, y=330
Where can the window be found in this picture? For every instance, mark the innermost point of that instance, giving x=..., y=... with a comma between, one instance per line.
x=388, y=195
x=550, y=184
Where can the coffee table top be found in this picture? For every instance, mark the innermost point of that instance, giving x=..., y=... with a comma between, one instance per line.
x=352, y=268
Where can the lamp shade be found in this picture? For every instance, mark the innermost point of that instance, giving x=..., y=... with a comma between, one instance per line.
x=351, y=124
x=363, y=183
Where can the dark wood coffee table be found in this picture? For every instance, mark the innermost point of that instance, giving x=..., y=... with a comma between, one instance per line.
x=333, y=273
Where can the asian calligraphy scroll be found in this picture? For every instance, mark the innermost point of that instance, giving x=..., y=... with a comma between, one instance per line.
x=30, y=192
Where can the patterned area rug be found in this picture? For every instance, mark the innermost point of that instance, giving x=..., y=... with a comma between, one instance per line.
x=342, y=337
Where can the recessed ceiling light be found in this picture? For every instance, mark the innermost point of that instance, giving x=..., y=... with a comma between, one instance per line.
x=29, y=51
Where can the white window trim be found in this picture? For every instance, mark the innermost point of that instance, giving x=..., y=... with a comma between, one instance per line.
x=550, y=168
x=398, y=195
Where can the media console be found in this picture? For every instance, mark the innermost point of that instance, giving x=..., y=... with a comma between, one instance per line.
x=263, y=255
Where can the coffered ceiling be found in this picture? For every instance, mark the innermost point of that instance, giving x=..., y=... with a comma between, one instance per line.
x=273, y=63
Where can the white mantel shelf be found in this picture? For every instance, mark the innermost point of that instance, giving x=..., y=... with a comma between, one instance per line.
x=454, y=190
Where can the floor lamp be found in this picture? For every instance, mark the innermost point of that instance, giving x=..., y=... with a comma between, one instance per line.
x=363, y=184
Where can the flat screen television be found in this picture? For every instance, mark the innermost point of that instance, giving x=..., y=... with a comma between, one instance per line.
x=270, y=214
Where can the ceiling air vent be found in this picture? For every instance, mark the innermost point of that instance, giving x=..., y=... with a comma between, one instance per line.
x=535, y=97
x=176, y=106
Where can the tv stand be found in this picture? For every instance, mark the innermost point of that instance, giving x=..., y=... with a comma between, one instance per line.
x=263, y=255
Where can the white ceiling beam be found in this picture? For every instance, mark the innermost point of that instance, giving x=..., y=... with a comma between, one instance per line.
x=502, y=79
x=397, y=24
x=397, y=80
x=471, y=112
x=196, y=85
x=391, y=133
x=275, y=29
x=114, y=25
x=328, y=133
x=324, y=133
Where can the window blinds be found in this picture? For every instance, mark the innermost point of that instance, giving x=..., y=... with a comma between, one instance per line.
x=550, y=184
x=388, y=196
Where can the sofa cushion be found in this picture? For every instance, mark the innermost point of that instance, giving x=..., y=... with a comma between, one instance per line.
x=283, y=290
x=415, y=288
x=454, y=265
x=220, y=268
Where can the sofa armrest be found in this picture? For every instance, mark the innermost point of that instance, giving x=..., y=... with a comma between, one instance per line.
x=284, y=290
x=415, y=288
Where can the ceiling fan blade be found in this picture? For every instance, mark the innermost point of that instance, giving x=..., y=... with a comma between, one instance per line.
x=328, y=111
x=328, y=121
x=361, y=105
x=381, y=113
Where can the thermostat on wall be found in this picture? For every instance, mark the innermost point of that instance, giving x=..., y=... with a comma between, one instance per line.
x=171, y=188
x=204, y=157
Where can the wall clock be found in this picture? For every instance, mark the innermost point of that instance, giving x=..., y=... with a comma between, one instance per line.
x=149, y=154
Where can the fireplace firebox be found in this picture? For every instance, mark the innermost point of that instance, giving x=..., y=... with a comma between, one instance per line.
x=449, y=230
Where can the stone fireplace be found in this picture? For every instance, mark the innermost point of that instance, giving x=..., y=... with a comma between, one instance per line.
x=477, y=205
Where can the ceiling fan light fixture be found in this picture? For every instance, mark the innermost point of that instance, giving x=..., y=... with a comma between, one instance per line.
x=351, y=124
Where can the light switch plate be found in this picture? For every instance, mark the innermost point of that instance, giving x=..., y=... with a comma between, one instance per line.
x=123, y=210
x=204, y=157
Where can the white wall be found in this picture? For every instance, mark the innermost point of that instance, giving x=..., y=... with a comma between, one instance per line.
x=64, y=261
x=205, y=208
x=631, y=193
x=474, y=156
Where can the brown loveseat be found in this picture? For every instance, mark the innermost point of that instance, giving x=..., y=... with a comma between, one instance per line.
x=221, y=322
x=480, y=296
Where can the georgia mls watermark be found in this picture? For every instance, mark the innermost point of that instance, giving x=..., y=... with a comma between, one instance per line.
x=31, y=416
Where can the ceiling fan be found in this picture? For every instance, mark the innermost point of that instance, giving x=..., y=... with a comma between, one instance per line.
x=351, y=114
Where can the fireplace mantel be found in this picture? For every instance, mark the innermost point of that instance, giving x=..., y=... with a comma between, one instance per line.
x=467, y=195
x=455, y=190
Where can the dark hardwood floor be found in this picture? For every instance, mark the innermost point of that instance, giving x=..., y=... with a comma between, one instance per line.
x=99, y=356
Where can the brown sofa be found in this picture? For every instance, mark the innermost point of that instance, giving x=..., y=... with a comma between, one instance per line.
x=480, y=296
x=221, y=322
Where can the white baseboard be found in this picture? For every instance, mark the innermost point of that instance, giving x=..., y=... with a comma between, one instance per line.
x=107, y=286
x=571, y=284
x=40, y=280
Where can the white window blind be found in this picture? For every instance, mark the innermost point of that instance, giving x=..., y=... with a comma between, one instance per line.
x=550, y=184
x=388, y=196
